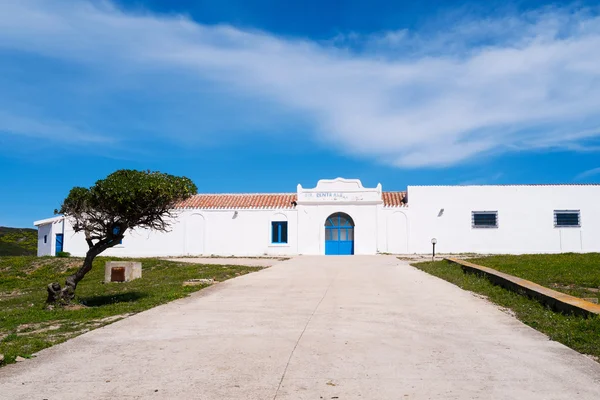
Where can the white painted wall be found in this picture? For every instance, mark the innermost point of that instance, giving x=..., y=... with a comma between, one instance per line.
x=44, y=249
x=200, y=232
x=311, y=224
x=396, y=232
x=248, y=232
x=49, y=228
x=338, y=195
x=525, y=215
x=525, y=218
x=195, y=234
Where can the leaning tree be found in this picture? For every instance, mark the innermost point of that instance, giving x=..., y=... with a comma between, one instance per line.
x=125, y=199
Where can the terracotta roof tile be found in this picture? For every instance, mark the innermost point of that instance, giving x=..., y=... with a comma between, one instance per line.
x=394, y=199
x=230, y=201
x=264, y=200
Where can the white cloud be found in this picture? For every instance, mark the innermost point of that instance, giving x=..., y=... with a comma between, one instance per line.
x=44, y=129
x=588, y=174
x=483, y=180
x=408, y=99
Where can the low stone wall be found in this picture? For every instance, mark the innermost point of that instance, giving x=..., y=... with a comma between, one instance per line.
x=556, y=300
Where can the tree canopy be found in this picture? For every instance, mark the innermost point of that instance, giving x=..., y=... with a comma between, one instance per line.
x=125, y=199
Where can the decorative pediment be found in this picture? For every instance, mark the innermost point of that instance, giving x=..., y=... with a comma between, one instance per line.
x=339, y=190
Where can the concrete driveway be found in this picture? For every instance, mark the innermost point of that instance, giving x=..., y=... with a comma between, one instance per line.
x=313, y=328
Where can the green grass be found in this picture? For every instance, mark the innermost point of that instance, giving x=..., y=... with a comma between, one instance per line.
x=579, y=333
x=27, y=327
x=18, y=241
x=574, y=274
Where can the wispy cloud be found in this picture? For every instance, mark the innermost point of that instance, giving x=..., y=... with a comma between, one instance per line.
x=47, y=129
x=483, y=180
x=411, y=99
x=588, y=174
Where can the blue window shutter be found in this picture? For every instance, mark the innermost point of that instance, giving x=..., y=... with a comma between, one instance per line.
x=274, y=235
x=279, y=232
x=284, y=232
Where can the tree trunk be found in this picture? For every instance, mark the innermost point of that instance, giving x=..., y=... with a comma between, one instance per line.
x=58, y=295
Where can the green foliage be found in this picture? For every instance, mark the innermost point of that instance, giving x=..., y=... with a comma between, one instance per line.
x=63, y=254
x=26, y=327
x=125, y=199
x=579, y=333
x=18, y=241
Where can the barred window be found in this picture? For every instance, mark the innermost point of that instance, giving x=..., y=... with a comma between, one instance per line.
x=484, y=219
x=567, y=218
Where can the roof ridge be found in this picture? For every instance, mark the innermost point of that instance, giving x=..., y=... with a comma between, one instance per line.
x=246, y=194
x=267, y=200
x=273, y=193
x=513, y=184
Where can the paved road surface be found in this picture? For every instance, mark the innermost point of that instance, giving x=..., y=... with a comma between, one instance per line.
x=313, y=328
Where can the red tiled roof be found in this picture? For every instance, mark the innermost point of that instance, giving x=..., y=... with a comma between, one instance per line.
x=258, y=200
x=393, y=199
x=264, y=200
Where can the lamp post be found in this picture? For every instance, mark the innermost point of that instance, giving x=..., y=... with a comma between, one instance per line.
x=433, y=242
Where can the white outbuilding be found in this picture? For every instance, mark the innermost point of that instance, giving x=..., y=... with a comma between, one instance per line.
x=341, y=217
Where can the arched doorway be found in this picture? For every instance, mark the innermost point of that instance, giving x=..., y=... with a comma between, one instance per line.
x=397, y=233
x=339, y=234
x=194, y=235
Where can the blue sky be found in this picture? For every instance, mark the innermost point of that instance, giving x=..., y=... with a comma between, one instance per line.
x=258, y=96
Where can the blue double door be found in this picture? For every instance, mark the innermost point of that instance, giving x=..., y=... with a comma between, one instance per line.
x=339, y=235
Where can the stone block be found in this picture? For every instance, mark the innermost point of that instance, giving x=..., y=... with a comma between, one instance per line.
x=122, y=271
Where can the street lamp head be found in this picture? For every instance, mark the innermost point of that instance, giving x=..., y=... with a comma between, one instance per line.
x=433, y=241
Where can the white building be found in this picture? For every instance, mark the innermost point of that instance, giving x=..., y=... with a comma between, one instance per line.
x=341, y=216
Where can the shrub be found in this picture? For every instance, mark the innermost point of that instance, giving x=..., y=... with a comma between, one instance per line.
x=63, y=254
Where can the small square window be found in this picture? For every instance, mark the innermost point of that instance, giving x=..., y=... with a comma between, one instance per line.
x=279, y=232
x=567, y=219
x=484, y=219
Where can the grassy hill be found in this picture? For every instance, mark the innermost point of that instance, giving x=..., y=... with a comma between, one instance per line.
x=18, y=241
